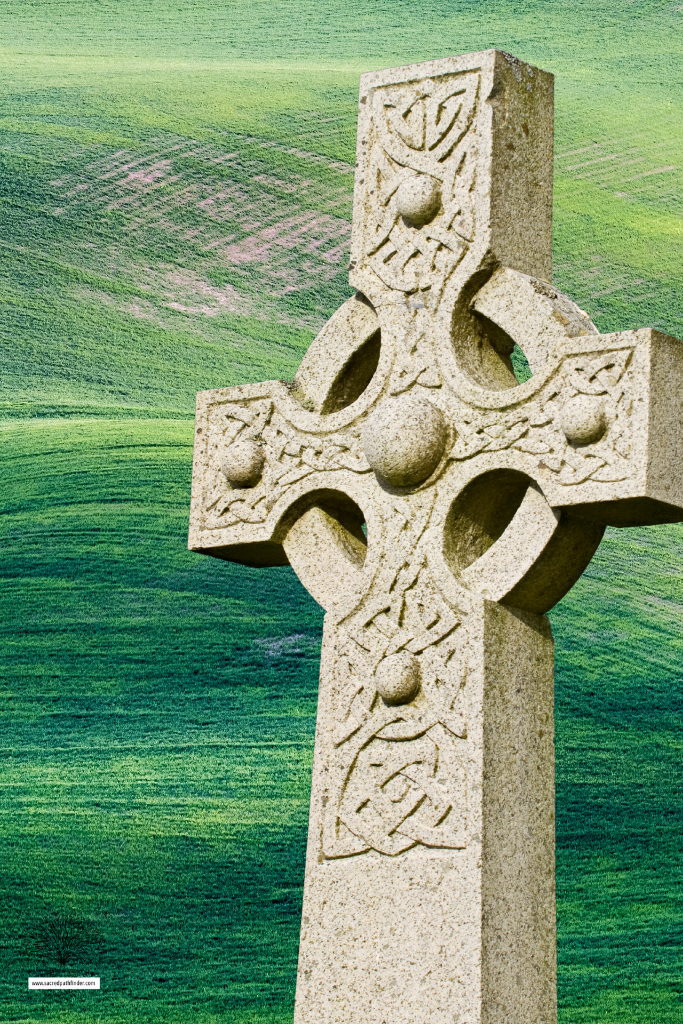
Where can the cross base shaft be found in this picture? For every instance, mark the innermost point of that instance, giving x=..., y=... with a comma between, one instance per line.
x=438, y=935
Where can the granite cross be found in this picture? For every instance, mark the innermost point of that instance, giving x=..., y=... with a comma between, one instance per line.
x=437, y=508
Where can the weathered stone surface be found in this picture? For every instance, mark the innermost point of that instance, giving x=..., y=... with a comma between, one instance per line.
x=418, y=199
x=429, y=894
x=242, y=463
x=398, y=678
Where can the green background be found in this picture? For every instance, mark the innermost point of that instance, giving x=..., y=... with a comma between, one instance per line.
x=175, y=203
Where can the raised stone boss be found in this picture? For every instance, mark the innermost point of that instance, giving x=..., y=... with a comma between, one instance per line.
x=430, y=877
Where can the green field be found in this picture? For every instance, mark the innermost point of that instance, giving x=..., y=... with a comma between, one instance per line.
x=175, y=203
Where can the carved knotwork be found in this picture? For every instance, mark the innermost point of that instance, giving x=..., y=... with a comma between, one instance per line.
x=424, y=129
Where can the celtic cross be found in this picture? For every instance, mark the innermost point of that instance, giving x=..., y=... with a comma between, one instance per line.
x=436, y=508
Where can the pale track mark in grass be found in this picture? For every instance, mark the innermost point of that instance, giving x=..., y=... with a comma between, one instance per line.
x=141, y=188
x=621, y=154
x=122, y=168
x=123, y=160
x=305, y=232
x=295, y=643
x=156, y=174
x=596, y=147
x=588, y=163
x=599, y=145
x=222, y=159
x=216, y=300
x=106, y=162
x=265, y=179
x=179, y=290
x=657, y=170
x=577, y=152
x=595, y=278
x=612, y=170
x=626, y=284
x=129, y=187
x=308, y=228
x=257, y=225
x=302, y=154
x=615, y=170
x=165, y=294
x=150, y=175
x=608, y=291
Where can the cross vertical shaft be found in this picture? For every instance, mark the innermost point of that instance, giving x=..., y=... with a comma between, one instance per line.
x=463, y=929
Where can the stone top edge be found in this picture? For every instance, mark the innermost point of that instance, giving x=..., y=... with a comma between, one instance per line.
x=443, y=65
x=233, y=392
x=636, y=335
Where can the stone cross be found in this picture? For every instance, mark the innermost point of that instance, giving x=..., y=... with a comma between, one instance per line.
x=437, y=508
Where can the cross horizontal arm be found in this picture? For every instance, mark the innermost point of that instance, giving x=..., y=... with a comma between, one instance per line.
x=601, y=434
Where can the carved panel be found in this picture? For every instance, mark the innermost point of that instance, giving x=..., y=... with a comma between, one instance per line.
x=425, y=128
x=398, y=775
x=290, y=455
x=415, y=363
x=534, y=428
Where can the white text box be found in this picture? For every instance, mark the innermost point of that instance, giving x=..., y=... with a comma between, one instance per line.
x=60, y=984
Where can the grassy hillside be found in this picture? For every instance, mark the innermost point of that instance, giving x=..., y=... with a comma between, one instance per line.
x=175, y=202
